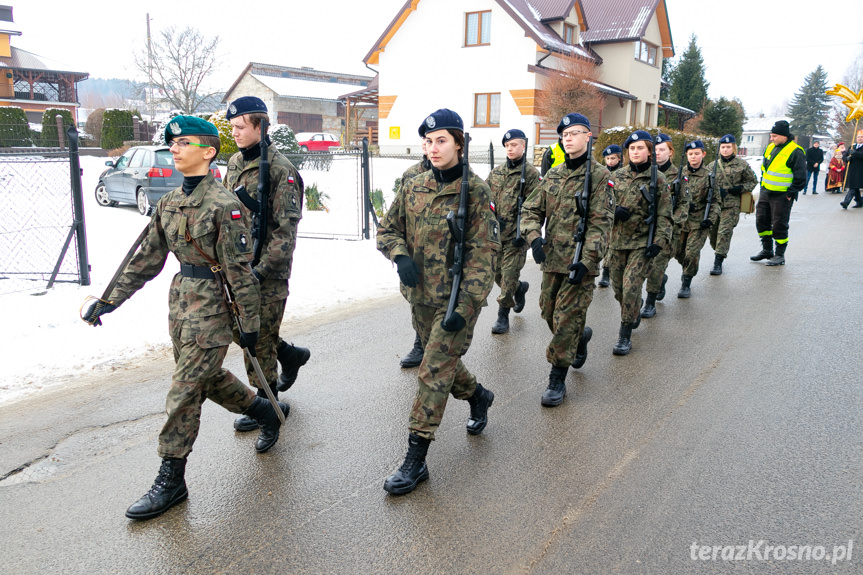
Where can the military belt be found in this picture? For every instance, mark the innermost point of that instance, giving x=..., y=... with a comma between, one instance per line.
x=196, y=272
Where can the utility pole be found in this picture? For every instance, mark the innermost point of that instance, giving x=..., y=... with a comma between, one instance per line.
x=150, y=75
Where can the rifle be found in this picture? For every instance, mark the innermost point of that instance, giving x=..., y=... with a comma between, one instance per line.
x=677, y=184
x=711, y=186
x=456, y=223
x=261, y=206
x=518, y=237
x=652, y=197
x=583, y=207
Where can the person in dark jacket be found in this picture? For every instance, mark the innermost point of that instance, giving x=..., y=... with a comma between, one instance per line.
x=814, y=158
x=854, y=176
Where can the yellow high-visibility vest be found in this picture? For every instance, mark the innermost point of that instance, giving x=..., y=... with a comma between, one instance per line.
x=558, y=156
x=777, y=177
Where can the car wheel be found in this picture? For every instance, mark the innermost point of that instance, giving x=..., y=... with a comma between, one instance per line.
x=304, y=148
x=102, y=196
x=144, y=206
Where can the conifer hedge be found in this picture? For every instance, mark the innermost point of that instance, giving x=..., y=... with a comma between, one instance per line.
x=14, y=128
x=116, y=128
x=50, y=137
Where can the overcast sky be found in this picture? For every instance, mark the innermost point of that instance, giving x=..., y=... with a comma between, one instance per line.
x=755, y=50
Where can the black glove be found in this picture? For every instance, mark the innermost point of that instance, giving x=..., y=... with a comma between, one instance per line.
x=258, y=276
x=736, y=190
x=652, y=250
x=538, y=252
x=248, y=340
x=722, y=193
x=519, y=242
x=580, y=271
x=456, y=322
x=408, y=272
x=96, y=309
x=792, y=196
x=621, y=214
x=705, y=224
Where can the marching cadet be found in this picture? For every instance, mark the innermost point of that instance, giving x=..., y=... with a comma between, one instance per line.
x=630, y=254
x=612, y=156
x=505, y=184
x=695, y=230
x=656, y=276
x=564, y=302
x=733, y=178
x=414, y=234
x=203, y=225
x=285, y=203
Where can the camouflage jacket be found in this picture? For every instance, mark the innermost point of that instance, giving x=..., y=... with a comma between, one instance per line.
x=554, y=204
x=213, y=218
x=505, y=183
x=697, y=183
x=632, y=234
x=681, y=209
x=285, y=206
x=415, y=226
x=734, y=172
x=416, y=169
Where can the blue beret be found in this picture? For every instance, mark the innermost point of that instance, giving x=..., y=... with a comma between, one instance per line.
x=612, y=149
x=245, y=105
x=189, y=126
x=572, y=120
x=513, y=135
x=662, y=138
x=727, y=139
x=638, y=136
x=441, y=120
x=695, y=144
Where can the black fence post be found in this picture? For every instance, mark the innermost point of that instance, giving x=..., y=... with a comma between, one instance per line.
x=490, y=156
x=78, y=204
x=367, y=200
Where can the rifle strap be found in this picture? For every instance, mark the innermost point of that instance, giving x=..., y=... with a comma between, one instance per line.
x=247, y=200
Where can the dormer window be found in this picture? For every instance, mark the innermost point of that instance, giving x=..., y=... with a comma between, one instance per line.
x=477, y=28
x=646, y=52
x=569, y=35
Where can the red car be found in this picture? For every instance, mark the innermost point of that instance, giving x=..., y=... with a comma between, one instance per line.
x=316, y=141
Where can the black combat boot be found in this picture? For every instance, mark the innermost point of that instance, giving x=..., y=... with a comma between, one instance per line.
x=624, y=340
x=605, y=278
x=717, y=265
x=779, y=258
x=479, y=402
x=291, y=358
x=685, y=290
x=556, y=390
x=414, y=356
x=502, y=323
x=649, y=309
x=246, y=423
x=413, y=470
x=168, y=489
x=766, y=250
x=581, y=348
x=660, y=295
x=262, y=411
x=519, y=296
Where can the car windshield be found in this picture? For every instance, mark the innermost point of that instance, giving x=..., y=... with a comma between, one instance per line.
x=164, y=159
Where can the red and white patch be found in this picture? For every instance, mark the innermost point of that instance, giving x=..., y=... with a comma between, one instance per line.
x=236, y=214
x=610, y=183
x=290, y=179
x=493, y=207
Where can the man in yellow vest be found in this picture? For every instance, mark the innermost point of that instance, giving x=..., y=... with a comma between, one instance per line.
x=783, y=174
x=553, y=156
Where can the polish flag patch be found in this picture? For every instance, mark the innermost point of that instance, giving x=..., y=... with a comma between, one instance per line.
x=290, y=179
x=610, y=183
x=493, y=207
x=236, y=215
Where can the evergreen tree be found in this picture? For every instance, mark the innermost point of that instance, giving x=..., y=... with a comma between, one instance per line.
x=722, y=117
x=810, y=107
x=688, y=86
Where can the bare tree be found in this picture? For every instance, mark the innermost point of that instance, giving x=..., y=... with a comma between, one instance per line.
x=181, y=63
x=571, y=88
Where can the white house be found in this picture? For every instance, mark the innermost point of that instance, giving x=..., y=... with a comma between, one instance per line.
x=756, y=135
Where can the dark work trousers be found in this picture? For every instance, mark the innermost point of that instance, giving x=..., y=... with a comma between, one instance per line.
x=852, y=194
x=772, y=214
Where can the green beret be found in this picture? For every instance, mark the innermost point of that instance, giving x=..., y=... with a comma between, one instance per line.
x=189, y=126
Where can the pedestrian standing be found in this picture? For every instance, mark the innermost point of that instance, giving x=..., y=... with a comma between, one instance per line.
x=203, y=225
x=836, y=171
x=814, y=159
x=613, y=157
x=553, y=156
x=630, y=252
x=783, y=175
x=734, y=177
x=284, y=211
x=555, y=206
x=854, y=177
x=414, y=235
x=506, y=189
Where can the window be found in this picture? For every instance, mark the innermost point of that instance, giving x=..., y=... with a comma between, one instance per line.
x=477, y=28
x=750, y=138
x=648, y=113
x=138, y=159
x=124, y=160
x=486, y=110
x=646, y=52
x=633, y=112
x=569, y=33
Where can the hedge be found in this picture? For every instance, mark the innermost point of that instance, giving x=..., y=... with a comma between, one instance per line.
x=117, y=127
x=49, y=126
x=14, y=128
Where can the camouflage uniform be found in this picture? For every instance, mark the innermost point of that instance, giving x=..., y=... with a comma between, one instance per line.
x=734, y=172
x=692, y=237
x=415, y=226
x=285, y=211
x=199, y=321
x=505, y=182
x=422, y=166
x=629, y=264
x=657, y=266
x=563, y=305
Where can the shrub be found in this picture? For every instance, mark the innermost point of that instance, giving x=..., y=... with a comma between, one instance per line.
x=14, y=129
x=315, y=199
x=378, y=202
x=49, y=126
x=116, y=128
x=229, y=146
x=283, y=139
x=93, y=127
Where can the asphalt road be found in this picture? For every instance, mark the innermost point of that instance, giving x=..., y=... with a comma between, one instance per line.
x=735, y=420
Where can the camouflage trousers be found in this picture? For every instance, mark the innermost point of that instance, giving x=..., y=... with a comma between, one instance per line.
x=200, y=346
x=628, y=271
x=688, y=252
x=564, y=308
x=720, y=233
x=268, y=343
x=659, y=264
x=509, y=264
x=441, y=372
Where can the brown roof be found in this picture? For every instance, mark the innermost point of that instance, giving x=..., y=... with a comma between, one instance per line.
x=551, y=10
x=625, y=21
x=24, y=60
